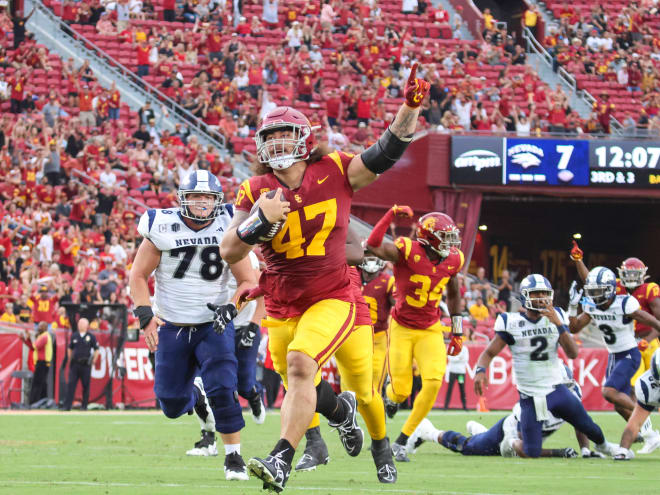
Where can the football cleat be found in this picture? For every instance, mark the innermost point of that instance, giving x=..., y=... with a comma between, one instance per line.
x=651, y=442
x=273, y=471
x=202, y=407
x=622, y=454
x=391, y=407
x=385, y=468
x=350, y=433
x=258, y=409
x=606, y=448
x=400, y=453
x=474, y=428
x=316, y=451
x=569, y=453
x=206, y=446
x=235, y=468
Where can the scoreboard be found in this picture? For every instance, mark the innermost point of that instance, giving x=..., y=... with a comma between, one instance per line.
x=555, y=162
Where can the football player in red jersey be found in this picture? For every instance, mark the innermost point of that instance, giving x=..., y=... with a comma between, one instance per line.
x=355, y=363
x=422, y=269
x=632, y=281
x=308, y=296
x=378, y=289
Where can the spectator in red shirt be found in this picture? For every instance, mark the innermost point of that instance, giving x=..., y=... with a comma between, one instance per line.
x=364, y=105
x=43, y=307
x=333, y=107
x=66, y=251
x=306, y=83
x=17, y=85
x=142, y=54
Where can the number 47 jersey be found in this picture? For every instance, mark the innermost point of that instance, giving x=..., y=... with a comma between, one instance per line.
x=190, y=272
x=615, y=323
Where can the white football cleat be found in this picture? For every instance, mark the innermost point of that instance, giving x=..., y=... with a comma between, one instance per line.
x=651, y=442
x=206, y=445
x=235, y=468
x=427, y=431
x=474, y=428
x=607, y=448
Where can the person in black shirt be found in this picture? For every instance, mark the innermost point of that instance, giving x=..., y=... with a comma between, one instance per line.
x=142, y=134
x=19, y=22
x=83, y=351
x=89, y=295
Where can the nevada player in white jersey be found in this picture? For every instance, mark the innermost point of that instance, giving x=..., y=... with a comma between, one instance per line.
x=647, y=393
x=503, y=438
x=181, y=248
x=533, y=338
x=614, y=316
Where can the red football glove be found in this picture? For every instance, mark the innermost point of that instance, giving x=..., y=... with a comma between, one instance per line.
x=642, y=345
x=247, y=295
x=455, y=346
x=576, y=252
x=416, y=89
x=402, y=211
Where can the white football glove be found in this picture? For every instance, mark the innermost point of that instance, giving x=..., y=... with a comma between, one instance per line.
x=574, y=295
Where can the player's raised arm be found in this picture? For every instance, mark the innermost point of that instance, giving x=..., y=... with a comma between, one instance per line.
x=577, y=256
x=565, y=340
x=146, y=261
x=384, y=153
x=374, y=244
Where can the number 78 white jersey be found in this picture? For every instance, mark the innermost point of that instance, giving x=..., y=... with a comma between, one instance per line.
x=191, y=272
x=615, y=324
x=533, y=345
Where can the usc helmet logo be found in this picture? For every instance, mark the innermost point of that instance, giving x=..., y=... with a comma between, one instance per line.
x=429, y=223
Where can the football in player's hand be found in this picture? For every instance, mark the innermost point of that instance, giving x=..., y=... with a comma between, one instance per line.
x=276, y=226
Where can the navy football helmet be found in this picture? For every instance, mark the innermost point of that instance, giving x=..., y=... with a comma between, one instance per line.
x=536, y=292
x=200, y=182
x=600, y=285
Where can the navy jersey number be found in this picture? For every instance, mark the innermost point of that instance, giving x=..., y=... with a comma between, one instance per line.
x=540, y=344
x=211, y=267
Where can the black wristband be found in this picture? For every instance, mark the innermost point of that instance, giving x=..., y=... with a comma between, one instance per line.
x=256, y=228
x=145, y=314
x=385, y=152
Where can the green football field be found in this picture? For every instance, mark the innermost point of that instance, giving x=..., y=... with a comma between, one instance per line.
x=137, y=453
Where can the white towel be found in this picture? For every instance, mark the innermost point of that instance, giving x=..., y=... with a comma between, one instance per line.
x=541, y=407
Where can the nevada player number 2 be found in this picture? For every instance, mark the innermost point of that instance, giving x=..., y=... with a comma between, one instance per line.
x=292, y=229
x=211, y=262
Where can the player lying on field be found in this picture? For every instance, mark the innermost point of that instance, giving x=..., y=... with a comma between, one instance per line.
x=503, y=438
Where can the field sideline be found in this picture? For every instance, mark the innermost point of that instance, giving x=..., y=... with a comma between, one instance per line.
x=137, y=452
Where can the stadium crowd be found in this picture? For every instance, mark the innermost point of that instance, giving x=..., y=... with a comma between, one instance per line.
x=613, y=51
x=229, y=68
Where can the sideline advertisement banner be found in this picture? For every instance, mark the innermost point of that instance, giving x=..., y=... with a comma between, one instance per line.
x=588, y=369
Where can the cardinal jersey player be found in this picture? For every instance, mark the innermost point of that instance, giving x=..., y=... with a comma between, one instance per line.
x=307, y=256
x=377, y=293
x=632, y=274
x=422, y=269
